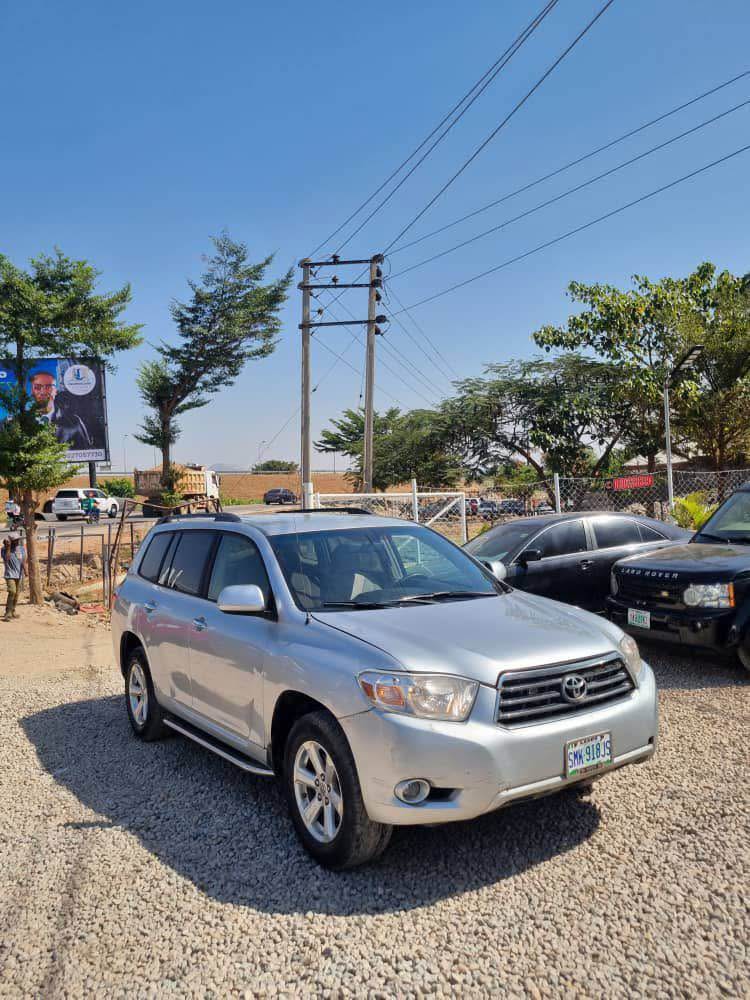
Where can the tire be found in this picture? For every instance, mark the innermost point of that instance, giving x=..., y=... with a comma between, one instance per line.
x=112, y=512
x=743, y=653
x=61, y=517
x=336, y=840
x=148, y=724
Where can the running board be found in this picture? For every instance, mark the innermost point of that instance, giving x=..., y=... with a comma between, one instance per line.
x=235, y=757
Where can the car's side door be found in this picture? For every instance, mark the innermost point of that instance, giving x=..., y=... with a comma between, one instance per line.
x=561, y=572
x=613, y=539
x=227, y=651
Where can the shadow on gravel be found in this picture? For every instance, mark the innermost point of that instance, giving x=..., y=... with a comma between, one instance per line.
x=692, y=669
x=229, y=833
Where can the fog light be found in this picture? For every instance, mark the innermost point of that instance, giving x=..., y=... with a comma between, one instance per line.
x=412, y=791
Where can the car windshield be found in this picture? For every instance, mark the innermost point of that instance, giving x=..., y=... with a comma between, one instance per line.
x=499, y=542
x=730, y=523
x=382, y=566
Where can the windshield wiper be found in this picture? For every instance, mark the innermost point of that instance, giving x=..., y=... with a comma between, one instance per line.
x=714, y=538
x=438, y=595
x=356, y=604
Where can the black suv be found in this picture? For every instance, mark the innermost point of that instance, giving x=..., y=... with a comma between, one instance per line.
x=697, y=594
x=279, y=496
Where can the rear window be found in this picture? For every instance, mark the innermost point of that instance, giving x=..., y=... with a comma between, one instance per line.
x=190, y=560
x=614, y=531
x=650, y=534
x=67, y=494
x=149, y=567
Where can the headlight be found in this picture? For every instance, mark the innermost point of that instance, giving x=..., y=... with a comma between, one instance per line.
x=709, y=595
x=614, y=586
x=427, y=696
x=629, y=650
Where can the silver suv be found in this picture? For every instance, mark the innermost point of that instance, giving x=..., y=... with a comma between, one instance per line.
x=377, y=670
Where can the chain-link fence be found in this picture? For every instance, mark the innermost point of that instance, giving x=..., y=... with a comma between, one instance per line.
x=462, y=515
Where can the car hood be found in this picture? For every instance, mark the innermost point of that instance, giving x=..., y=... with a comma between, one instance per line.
x=696, y=561
x=479, y=638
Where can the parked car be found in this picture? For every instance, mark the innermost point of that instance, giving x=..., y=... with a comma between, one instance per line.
x=67, y=503
x=697, y=594
x=544, y=508
x=568, y=557
x=279, y=496
x=488, y=509
x=382, y=674
x=511, y=506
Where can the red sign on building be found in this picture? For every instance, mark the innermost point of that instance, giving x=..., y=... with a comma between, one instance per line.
x=633, y=482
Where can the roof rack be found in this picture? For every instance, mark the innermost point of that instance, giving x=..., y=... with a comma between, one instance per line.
x=221, y=516
x=327, y=510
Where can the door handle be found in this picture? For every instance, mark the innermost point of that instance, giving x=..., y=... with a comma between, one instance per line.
x=586, y=563
x=199, y=624
x=149, y=606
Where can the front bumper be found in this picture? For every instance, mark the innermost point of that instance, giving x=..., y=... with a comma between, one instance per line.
x=486, y=765
x=706, y=628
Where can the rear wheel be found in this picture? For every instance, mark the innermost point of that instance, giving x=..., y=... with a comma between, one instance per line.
x=112, y=512
x=144, y=711
x=62, y=517
x=324, y=796
x=743, y=652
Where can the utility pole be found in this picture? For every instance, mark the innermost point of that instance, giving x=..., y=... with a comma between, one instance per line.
x=375, y=282
x=372, y=303
x=306, y=456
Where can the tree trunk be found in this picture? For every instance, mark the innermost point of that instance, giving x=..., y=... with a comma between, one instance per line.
x=28, y=506
x=651, y=466
x=166, y=457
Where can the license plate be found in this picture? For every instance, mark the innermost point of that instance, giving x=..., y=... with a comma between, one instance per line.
x=588, y=754
x=641, y=619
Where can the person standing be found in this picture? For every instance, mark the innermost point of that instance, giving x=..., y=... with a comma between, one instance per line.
x=14, y=561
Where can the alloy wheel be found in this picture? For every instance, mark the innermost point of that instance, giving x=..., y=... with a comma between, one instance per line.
x=138, y=694
x=317, y=791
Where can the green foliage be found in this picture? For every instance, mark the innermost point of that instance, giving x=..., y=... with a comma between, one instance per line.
x=693, y=510
x=237, y=501
x=51, y=310
x=231, y=318
x=118, y=487
x=170, y=498
x=405, y=446
x=276, y=465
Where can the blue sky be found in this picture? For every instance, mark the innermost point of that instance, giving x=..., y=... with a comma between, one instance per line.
x=132, y=133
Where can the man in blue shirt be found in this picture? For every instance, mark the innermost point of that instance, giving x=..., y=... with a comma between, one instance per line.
x=14, y=562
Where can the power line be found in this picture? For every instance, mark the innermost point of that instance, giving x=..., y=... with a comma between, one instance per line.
x=580, y=229
x=417, y=327
x=572, y=190
x=499, y=65
x=572, y=163
x=503, y=123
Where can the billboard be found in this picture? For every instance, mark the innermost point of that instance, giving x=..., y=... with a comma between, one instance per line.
x=70, y=393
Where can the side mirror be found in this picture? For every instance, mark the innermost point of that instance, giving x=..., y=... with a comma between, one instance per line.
x=529, y=555
x=496, y=567
x=242, y=599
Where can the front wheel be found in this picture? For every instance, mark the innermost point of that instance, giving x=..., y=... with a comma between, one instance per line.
x=61, y=517
x=743, y=652
x=324, y=797
x=112, y=512
x=144, y=711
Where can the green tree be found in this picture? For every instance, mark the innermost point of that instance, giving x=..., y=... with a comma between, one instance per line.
x=118, y=487
x=276, y=465
x=638, y=332
x=715, y=418
x=51, y=310
x=231, y=318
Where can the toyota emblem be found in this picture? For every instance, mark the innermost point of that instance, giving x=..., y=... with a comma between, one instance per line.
x=574, y=687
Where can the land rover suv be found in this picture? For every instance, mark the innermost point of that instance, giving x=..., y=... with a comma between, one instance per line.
x=697, y=594
x=381, y=673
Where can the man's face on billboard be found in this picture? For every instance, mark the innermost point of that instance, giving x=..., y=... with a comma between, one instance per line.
x=44, y=390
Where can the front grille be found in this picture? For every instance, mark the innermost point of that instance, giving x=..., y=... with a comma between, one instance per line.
x=649, y=592
x=537, y=695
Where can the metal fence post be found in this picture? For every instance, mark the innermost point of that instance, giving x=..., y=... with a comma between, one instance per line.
x=464, y=531
x=558, y=505
x=50, y=553
x=414, y=501
x=80, y=559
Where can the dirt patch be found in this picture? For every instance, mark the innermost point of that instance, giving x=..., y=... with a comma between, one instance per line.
x=44, y=641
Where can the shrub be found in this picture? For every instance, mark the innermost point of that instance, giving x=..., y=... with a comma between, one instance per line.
x=693, y=510
x=118, y=487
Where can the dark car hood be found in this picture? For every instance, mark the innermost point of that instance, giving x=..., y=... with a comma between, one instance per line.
x=696, y=561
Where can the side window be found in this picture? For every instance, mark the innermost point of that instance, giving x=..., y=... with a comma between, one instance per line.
x=237, y=561
x=152, y=559
x=189, y=561
x=611, y=532
x=649, y=534
x=563, y=539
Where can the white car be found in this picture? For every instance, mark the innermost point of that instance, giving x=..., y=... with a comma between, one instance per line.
x=67, y=503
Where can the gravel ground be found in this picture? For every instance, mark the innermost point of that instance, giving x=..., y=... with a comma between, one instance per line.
x=148, y=870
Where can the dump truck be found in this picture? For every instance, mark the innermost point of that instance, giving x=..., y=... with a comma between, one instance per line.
x=198, y=486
